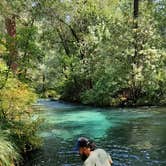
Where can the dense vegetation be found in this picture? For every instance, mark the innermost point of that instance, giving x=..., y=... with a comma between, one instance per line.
x=101, y=53
x=105, y=53
x=17, y=125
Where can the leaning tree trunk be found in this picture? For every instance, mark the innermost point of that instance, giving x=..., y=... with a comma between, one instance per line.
x=12, y=61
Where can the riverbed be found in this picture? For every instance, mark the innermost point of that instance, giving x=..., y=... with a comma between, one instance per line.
x=132, y=136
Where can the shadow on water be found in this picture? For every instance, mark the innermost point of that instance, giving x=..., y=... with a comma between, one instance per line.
x=133, y=137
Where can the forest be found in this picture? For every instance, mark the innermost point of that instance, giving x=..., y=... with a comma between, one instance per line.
x=100, y=53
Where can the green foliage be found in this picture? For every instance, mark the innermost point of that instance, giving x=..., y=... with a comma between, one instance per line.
x=91, y=51
x=29, y=51
x=16, y=113
x=109, y=72
x=159, y=14
x=8, y=153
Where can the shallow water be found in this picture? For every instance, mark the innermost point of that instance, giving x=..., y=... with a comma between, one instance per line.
x=133, y=137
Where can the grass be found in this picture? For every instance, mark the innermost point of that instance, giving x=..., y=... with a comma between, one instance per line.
x=8, y=153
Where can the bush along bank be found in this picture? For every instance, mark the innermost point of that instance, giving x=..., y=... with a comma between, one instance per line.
x=17, y=124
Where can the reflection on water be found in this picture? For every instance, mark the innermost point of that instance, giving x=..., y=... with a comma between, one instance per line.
x=134, y=137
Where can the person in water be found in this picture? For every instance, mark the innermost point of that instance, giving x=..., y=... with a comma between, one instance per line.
x=90, y=155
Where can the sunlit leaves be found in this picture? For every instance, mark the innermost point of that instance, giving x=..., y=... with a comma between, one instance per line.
x=16, y=113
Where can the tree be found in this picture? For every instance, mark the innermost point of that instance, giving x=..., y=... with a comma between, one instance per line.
x=18, y=17
x=101, y=55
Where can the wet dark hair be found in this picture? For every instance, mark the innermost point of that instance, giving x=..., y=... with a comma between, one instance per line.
x=91, y=145
x=85, y=142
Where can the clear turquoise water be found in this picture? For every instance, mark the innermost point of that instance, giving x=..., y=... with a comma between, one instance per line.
x=133, y=137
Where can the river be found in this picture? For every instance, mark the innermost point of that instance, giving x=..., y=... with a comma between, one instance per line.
x=133, y=137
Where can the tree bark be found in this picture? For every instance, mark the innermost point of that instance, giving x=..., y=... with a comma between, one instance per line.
x=10, y=24
x=136, y=9
x=63, y=42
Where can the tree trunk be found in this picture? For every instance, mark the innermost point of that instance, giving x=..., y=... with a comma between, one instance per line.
x=12, y=61
x=136, y=9
x=44, y=84
x=135, y=26
x=66, y=48
x=135, y=57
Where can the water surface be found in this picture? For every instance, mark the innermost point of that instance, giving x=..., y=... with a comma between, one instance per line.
x=133, y=137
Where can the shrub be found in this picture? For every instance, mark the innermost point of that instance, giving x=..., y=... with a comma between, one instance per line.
x=16, y=113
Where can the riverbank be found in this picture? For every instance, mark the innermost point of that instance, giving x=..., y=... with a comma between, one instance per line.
x=17, y=126
x=109, y=106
